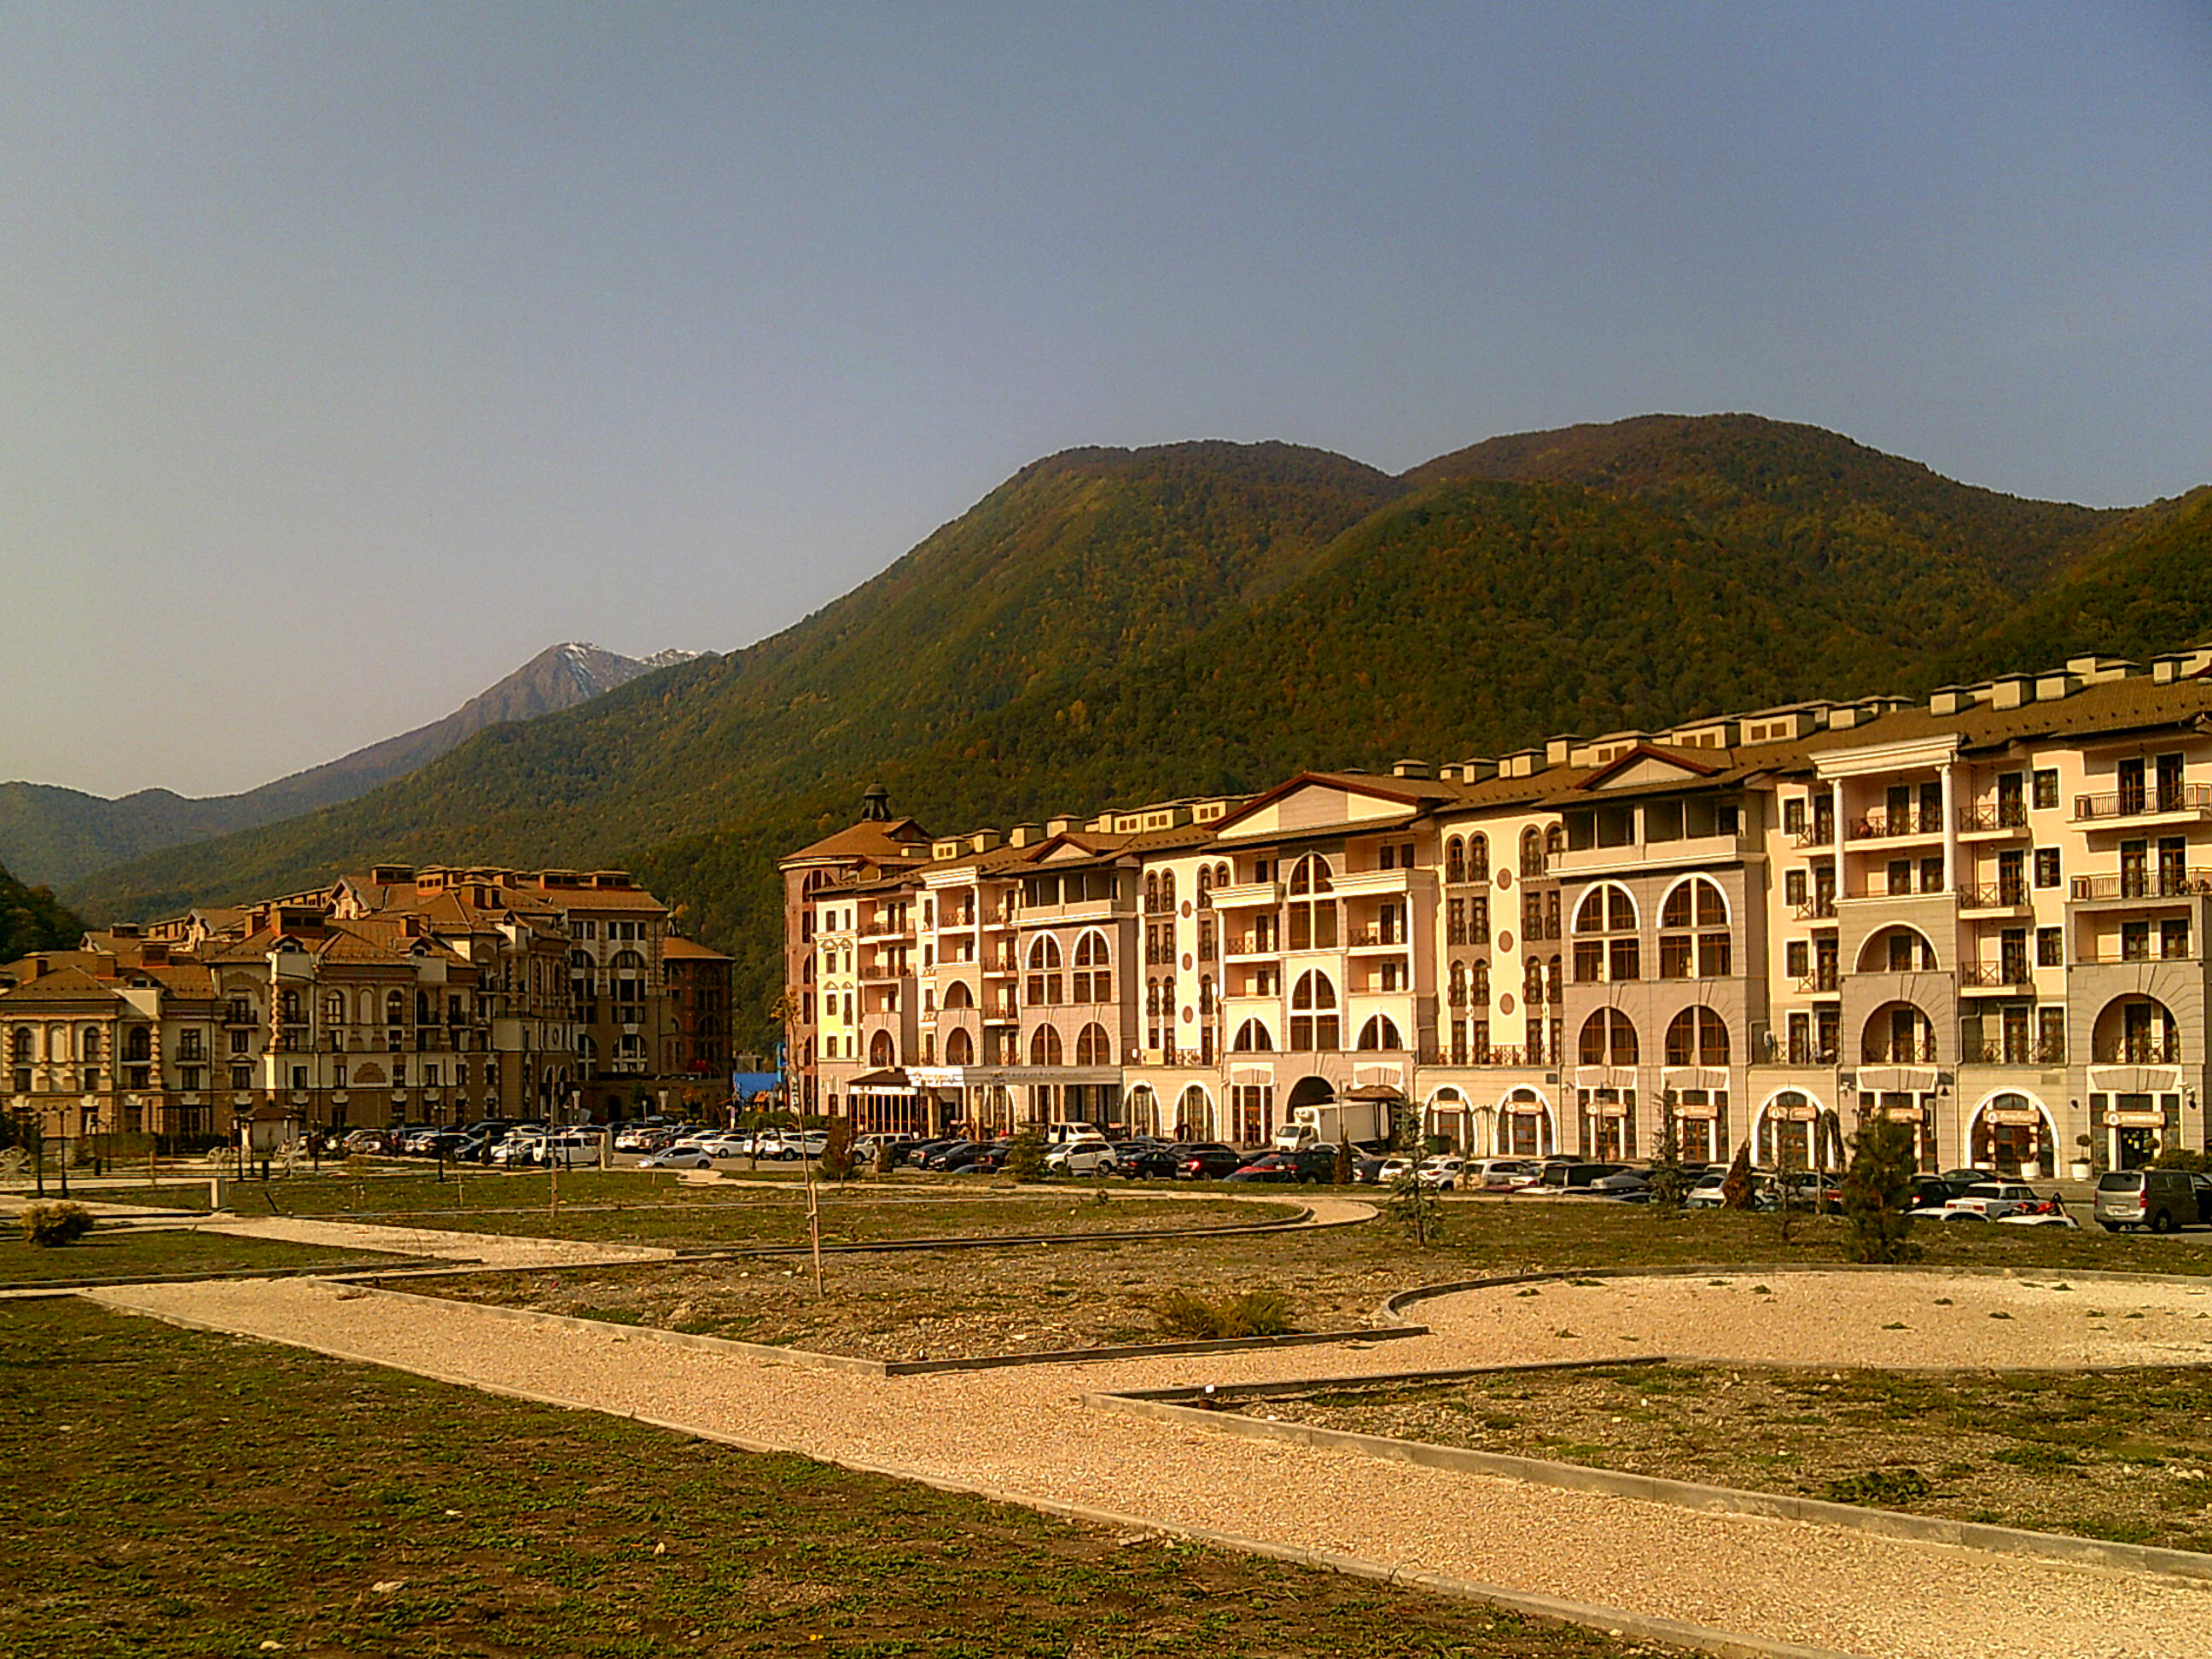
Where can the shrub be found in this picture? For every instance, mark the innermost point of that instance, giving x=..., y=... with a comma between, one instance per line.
x=1249, y=1313
x=1669, y=1181
x=1881, y=1489
x=837, y=1150
x=1735, y=1190
x=2182, y=1158
x=1025, y=1153
x=1877, y=1194
x=55, y=1222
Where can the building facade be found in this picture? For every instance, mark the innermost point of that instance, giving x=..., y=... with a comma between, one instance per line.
x=400, y=996
x=1981, y=917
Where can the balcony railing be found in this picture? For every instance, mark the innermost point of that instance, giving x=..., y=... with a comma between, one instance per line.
x=1906, y=1053
x=2144, y=885
x=1811, y=1056
x=1995, y=975
x=1363, y=937
x=888, y=930
x=1884, y=826
x=869, y=971
x=2016, y=1053
x=1822, y=906
x=1822, y=834
x=2002, y=815
x=1813, y=984
x=2148, y=1051
x=1494, y=1054
x=2141, y=803
x=1998, y=895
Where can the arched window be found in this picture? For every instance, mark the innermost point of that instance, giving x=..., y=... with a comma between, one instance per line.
x=881, y=1050
x=20, y=1045
x=1532, y=851
x=1478, y=990
x=1555, y=841
x=959, y=1049
x=1044, y=1046
x=1897, y=950
x=1694, y=902
x=1167, y=891
x=138, y=1044
x=1455, y=859
x=395, y=1008
x=1044, y=952
x=288, y=1004
x=1205, y=887
x=957, y=995
x=1380, y=1032
x=1151, y=892
x=580, y=962
x=1697, y=1036
x=1221, y=875
x=1253, y=1038
x=1608, y=1039
x=1092, y=1046
x=1606, y=908
x=1310, y=875
x=334, y=1007
x=1311, y=1027
x=1456, y=993
x=629, y=961
x=1478, y=857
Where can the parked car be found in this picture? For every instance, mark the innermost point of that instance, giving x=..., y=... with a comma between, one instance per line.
x=1207, y=1160
x=1309, y=1165
x=1083, y=1157
x=1500, y=1174
x=1445, y=1172
x=1704, y=1192
x=1632, y=1184
x=677, y=1158
x=1933, y=1192
x=1158, y=1161
x=1560, y=1177
x=982, y=1160
x=2160, y=1199
x=1368, y=1171
x=1990, y=1200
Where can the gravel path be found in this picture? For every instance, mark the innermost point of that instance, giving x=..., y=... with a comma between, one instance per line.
x=493, y=1249
x=1026, y=1432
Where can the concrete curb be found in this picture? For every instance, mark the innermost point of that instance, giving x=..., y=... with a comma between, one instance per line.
x=1163, y=1405
x=810, y=1359
x=1645, y=1627
x=117, y=1281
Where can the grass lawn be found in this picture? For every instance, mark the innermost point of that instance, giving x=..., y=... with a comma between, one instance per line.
x=2123, y=1456
x=184, y=1495
x=114, y=1253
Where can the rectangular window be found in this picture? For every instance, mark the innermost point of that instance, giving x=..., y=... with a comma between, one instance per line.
x=2051, y=947
x=2047, y=867
x=188, y=1079
x=1590, y=962
x=1456, y=922
x=1931, y=874
x=1901, y=877
x=1801, y=1039
x=2173, y=938
x=1325, y=933
x=1793, y=815
x=2135, y=941
x=1673, y=956
x=1478, y=922
x=2050, y=1035
x=1716, y=955
x=2046, y=788
x=242, y=1077
x=1793, y=887
x=1624, y=961
x=240, y=1042
x=1798, y=956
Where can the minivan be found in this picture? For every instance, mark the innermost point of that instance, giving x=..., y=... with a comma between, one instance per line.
x=2160, y=1199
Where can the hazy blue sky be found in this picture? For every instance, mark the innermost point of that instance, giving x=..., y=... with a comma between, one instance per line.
x=353, y=353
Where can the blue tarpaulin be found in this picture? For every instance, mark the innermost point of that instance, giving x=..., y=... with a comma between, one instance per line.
x=746, y=1085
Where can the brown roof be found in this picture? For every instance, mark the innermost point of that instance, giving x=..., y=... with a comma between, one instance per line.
x=877, y=839
x=689, y=949
x=69, y=984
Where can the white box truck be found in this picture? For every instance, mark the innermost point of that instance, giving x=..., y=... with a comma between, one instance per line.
x=1335, y=1122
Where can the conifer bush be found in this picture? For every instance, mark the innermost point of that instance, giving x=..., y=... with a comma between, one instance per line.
x=1877, y=1194
x=1025, y=1153
x=1735, y=1190
x=54, y=1223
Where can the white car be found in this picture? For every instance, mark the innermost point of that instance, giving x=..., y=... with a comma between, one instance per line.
x=1498, y=1174
x=1083, y=1157
x=677, y=1158
x=1444, y=1173
x=1993, y=1200
x=1394, y=1168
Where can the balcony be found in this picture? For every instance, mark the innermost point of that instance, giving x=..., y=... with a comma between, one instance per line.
x=1362, y=883
x=2002, y=817
x=2165, y=883
x=1923, y=824
x=1636, y=855
x=871, y=971
x=2015, y=1054
x=1822, y=833
x=1493, y=1053
x=1826, y=982
x=1376, y=939
x=1996, y=976
x=2138, y=1051
x=2000, y=896
x=1905, y=1052
x=2175, y=800
x=1248, y=896
x=1822, y=906
x=1251, y=945
x=2125, y=956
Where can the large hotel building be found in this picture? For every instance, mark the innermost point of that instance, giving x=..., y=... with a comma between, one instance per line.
x=1982, y=916
x=399, y=995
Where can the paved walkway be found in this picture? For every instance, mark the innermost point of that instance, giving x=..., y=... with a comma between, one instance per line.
x=1024, y=1432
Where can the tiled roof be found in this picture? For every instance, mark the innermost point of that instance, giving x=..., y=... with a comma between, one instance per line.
x=62, y=985
x=689, y=949
x=871, y=838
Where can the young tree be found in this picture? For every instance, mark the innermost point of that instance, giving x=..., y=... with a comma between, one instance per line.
x=1669, y=1181
x=1413, y=1203
x=1025, y=1153
x=1878, y=1194
x=1735, y=1190
x=837, y=1150
x=1787, y=1197
x=1342, y=1174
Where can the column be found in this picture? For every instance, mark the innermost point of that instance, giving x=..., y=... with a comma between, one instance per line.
x=1950, y=827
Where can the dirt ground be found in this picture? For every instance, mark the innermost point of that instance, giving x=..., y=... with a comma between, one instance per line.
x=960, y=1304
x=2125, y=1456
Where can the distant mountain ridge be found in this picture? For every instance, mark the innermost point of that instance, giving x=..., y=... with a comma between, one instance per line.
x=1109, y=626
x=54, y=834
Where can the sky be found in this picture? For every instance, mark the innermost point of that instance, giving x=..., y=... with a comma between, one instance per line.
x=350, y=355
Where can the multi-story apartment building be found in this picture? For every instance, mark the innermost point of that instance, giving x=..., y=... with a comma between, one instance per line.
x=399, y=995
x=1980, y=916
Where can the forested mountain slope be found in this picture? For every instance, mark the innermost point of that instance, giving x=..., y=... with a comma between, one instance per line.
x=1113, y=625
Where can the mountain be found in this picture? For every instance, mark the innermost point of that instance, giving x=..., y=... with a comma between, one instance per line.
x=31, y=919
x=59, y=834
x=1111, y=625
